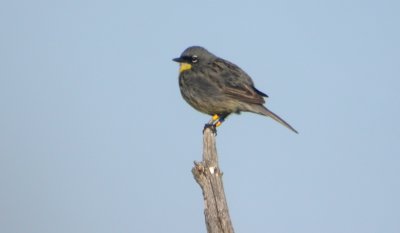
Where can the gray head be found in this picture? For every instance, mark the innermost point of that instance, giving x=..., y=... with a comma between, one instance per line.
x=195, y=55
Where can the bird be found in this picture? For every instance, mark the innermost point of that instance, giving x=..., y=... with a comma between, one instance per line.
x=218, y=87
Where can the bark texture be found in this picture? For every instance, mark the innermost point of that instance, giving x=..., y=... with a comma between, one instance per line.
x=209, y=176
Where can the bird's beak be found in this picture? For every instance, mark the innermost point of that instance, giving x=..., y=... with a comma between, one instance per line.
x=178, y=59
x=183, y=64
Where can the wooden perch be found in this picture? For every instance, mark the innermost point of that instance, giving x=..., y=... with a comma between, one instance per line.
x=209, y=176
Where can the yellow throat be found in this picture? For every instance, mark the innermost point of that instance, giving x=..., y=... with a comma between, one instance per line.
x=184, y=66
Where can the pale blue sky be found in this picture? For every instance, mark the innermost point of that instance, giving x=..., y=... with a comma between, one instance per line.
x=95, y=136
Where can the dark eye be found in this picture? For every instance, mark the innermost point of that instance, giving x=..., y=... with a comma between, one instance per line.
x=194, y=59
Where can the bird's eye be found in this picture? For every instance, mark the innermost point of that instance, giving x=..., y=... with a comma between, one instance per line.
x=194, y=59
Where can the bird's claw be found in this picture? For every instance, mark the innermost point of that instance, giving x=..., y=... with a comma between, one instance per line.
x=212, y=127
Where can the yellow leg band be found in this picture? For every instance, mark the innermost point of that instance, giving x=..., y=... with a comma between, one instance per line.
x=215, y=117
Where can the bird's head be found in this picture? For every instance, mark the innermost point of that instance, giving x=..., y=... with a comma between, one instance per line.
x=192, y=57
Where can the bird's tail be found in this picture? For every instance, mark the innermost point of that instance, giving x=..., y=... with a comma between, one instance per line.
x=266, y=112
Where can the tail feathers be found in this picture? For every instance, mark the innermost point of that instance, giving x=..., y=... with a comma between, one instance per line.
x=264, y=111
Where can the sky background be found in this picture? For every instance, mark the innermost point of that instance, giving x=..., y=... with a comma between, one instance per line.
x=95, y=137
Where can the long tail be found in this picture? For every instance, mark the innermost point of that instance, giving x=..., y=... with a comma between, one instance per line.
x=266, y=112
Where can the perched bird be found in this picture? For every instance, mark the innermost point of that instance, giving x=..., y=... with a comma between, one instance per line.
x=218, y=87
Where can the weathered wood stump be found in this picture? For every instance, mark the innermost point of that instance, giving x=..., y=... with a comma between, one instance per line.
x=209, y=176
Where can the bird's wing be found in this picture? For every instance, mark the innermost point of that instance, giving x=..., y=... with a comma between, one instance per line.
x=235, y=83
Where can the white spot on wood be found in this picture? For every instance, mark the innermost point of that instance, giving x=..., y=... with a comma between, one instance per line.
x=212, y=169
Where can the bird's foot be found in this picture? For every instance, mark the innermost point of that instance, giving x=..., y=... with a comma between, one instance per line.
x=215, y=121
x=212, y=127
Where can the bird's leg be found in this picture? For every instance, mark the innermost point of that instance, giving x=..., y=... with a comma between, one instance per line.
x=214, y=119
x=219, y=121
